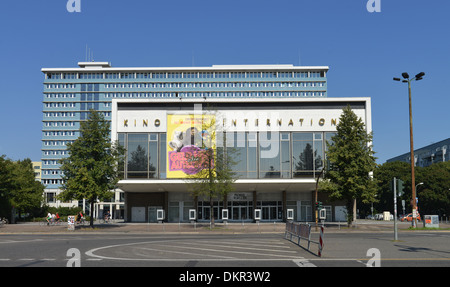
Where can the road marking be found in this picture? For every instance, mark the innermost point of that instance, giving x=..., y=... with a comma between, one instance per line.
x=303, y=263
x=20, y=241
x=238, y=247
x=186, y=253
x=267, y=256
x=239, y=252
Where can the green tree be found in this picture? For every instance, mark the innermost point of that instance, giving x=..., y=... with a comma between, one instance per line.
x=91, y=170
x=19, y=191
x=215, y=176
x=434, y=194
x=351, y=162
x=6, y=185
x=27, y=194
x=384, y=175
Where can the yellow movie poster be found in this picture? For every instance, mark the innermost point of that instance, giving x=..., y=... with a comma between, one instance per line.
x=188, y=137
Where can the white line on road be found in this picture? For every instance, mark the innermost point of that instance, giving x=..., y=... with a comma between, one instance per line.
x=303, y=263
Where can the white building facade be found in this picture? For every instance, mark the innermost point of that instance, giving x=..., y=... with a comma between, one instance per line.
x=281, y=145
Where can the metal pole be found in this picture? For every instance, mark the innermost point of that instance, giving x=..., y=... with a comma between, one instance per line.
x=395, y=210
x=413, y=182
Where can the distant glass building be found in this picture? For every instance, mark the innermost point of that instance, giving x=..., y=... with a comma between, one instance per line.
x=426, y=156
x=69, y=94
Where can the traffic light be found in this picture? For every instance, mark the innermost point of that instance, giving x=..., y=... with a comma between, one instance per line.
x=400, y=187
x=318, y=205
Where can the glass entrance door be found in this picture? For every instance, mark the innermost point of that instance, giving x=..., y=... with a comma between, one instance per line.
x=239, y=213
x=271, y=210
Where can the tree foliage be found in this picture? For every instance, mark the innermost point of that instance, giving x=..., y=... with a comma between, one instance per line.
x=215, y=176
x=351, y=161
x=434, y=195
x=91, y=170
x=18, y=188
x=384, y=174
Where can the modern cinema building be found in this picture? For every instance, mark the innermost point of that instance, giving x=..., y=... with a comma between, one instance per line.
x=275, y=118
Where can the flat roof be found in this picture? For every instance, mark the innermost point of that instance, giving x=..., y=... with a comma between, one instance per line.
x=106, y=67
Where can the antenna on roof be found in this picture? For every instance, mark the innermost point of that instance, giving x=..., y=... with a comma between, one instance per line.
x=299, y=59
x=89, y=55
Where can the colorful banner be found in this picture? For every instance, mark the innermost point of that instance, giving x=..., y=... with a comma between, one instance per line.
x=188, y=139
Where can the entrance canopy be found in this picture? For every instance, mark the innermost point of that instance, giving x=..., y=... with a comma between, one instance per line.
x=243, y=185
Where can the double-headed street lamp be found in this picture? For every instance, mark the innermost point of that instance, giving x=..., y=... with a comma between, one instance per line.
x=406, y=79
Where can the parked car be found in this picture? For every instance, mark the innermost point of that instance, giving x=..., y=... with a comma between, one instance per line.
x=370, y=216
x=409, y=217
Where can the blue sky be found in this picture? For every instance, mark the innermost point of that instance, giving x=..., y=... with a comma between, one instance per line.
x=363, y=50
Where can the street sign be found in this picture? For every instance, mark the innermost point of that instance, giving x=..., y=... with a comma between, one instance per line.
x=224, y=214
x=257, y=214
x=322, y=214
x=160, y=214
x=71, y=222
x=192, y=214
x=290, y=214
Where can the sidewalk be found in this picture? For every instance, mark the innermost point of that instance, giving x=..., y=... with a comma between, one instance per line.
x=153, y=228
x=199, y=228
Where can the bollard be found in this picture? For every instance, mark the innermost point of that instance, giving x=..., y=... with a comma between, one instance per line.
x=321, y=241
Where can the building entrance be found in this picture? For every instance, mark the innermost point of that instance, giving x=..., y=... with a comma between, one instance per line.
x=240, y=210
x=271, y=210
x=152, y=214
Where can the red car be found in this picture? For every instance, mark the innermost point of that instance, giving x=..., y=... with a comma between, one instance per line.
x=409, y=217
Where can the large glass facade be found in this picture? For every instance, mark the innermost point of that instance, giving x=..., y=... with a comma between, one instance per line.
x=142, y=157
x=255, y=155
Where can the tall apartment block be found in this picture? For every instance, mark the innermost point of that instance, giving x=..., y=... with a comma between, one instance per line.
x=69, y=94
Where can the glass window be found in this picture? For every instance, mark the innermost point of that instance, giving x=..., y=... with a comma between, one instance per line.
x=318, y=151
x=308, y=153
x=302, y=154
x=153, y=155
x=137, y=156
x=162, y=156
x=121, y=140
x=269, y=155
x=237, y=147
x=285, y=156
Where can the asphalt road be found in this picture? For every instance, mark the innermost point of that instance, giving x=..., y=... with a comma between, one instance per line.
x=262, y=250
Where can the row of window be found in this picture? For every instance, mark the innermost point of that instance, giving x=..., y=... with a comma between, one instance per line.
x=216, y=85
x=185, y=75
x=83, y=115
x=51, y=181
x=60, y=105
x=216, y=94
x=58, y=96
x=50, y=162
x=59, y=133
x=56, y=143
x=59, y=124
x=59, y=114
x=96, y=97
x=55, y=152
x=60, y=86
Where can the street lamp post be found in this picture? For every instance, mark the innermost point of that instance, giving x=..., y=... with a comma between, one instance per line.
x=406, y=79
